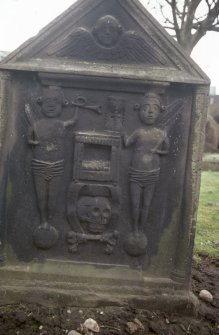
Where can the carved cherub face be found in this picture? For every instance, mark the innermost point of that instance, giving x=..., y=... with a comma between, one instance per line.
x=51, y=104
x=107, y=31
x=117, y=105
x=150, y=109
x=95, y=212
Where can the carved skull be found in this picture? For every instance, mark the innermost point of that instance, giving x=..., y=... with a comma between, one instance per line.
x=95, y=212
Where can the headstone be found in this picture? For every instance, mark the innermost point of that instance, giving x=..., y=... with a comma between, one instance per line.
x=101, y=137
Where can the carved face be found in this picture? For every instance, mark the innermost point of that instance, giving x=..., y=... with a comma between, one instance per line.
x=95, y=212
x=107, y=31
x=52, y=105
x=150, y=110
x=116, y=105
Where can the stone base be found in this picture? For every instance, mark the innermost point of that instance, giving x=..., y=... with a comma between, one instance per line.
x=86, y=286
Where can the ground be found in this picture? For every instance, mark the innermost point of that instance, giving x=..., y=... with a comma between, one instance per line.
x=33, y=319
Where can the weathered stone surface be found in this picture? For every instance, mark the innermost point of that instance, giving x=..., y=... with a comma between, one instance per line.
x=101, y=139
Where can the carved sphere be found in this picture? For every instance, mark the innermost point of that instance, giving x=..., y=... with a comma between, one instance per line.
x=45, y=237
x=136, y=244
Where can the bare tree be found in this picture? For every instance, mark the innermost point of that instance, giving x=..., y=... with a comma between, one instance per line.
x=187, y=20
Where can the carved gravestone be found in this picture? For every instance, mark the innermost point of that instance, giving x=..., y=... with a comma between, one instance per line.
x=102, y=118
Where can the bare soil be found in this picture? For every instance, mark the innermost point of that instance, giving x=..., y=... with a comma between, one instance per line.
x=33, y=319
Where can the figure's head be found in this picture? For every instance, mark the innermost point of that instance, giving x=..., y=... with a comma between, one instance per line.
x=51, y=102
x=117, y=105
x=107, y=31
x=150, y=108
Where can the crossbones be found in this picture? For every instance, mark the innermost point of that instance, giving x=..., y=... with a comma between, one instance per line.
x=109, y=239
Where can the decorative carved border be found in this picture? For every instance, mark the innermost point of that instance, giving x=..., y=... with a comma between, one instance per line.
x=187, y=224
x=5, y=85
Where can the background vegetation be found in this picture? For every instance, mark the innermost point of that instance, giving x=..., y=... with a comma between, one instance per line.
x=207, y=232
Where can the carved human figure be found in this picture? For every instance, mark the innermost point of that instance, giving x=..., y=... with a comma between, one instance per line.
x=46, y=136
x=149, y=143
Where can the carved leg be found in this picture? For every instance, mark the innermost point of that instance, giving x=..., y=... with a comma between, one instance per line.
x=53, y=196
x=147, y=199
x=135, y=203
x=45, y=236
x=42, y=191
x=136, y=242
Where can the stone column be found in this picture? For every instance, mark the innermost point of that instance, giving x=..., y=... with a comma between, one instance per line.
x=5, y=91
x=187, y=224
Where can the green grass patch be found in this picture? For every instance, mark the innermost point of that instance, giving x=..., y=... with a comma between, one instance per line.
x=207, y=230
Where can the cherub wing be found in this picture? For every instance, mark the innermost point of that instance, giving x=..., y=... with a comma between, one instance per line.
x=171, y=114
x=139, y=50
x=29, y=115
x=29, y=120
x=79, y=44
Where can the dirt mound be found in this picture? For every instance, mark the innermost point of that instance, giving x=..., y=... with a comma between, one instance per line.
x=32, y=319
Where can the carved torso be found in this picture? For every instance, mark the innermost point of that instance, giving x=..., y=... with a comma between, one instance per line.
x=50, y=135
x=145, y=141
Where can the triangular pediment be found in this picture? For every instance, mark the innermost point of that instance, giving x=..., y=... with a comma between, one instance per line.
x=120, y=33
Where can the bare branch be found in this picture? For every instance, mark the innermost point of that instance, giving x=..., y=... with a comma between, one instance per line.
x=166, y=19
x=208, y=4
x=214, y=29
x=168, y=2
x=170, y=28
x=184, y=13
x=208, y=22
x=177, y=29
x=193, y=5
x=186, y=19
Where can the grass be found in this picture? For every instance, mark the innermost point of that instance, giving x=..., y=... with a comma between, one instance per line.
x=207, y=230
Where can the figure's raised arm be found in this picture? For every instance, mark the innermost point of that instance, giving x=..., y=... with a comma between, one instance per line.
x=31, y=136
x=70, y=123
x=162, y=147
